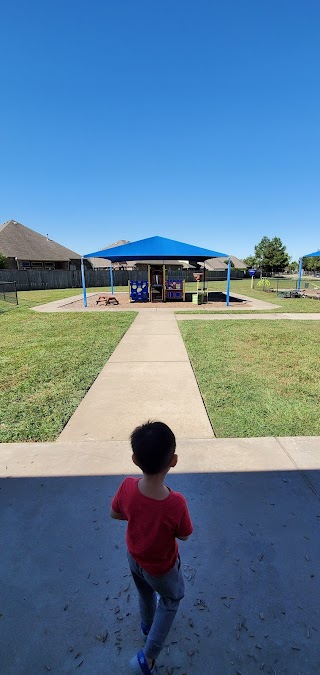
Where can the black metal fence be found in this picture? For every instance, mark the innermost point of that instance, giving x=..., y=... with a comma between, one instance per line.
x=37, y=280
x=8, y=292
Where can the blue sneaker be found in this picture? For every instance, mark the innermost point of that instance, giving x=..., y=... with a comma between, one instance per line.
x=139, y=665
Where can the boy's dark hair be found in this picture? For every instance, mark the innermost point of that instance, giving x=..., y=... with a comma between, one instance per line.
x=153, y=445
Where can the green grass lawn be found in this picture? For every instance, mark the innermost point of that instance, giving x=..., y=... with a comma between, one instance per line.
x=48, y=362
x=243, y=287
x=33, y=298
x=257, y=378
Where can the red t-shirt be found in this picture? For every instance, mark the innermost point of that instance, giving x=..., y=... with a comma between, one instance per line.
x=153, y=525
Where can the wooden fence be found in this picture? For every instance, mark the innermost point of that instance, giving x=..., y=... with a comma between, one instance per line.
x=36, y=280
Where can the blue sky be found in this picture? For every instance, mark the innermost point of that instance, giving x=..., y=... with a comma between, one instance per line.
x=197, y=121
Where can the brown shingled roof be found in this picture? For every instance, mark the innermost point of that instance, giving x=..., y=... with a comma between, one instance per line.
x=103, y=262
x=19, y=241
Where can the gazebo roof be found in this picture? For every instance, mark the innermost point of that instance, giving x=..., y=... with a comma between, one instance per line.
x=156, y=248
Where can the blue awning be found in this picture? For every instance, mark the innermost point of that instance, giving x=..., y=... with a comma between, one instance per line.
x=156, y=248
x=312, y=255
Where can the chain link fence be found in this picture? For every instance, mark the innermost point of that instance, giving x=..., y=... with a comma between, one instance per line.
x=8, y=292
x=283, y=285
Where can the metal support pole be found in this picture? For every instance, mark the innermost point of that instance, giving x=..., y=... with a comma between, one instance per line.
x=111, y=279
x=83, y=284
x=300, y=274
x=228, y=281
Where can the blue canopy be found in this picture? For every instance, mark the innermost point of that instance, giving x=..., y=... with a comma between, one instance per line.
x=156, y=248
x=308, y=255
x=312, y=255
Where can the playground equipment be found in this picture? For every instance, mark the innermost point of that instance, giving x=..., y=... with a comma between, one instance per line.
x=138, y=291
x=201, y=295
x=158, y=287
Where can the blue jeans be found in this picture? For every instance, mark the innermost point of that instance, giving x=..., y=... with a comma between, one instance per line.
x=170, y=588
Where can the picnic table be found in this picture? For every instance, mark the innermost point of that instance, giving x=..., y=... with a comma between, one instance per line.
x=107, y=300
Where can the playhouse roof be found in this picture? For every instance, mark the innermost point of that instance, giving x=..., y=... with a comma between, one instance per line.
x=156, y=248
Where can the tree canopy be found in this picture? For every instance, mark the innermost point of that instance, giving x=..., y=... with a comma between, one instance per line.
x=250, y=261
x=311, y=264
x=270, y=256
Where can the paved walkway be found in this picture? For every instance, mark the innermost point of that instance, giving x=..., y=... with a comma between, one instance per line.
x=249, y=317
x=148, y=376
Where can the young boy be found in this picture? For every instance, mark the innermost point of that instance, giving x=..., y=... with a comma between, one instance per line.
x=156, y=516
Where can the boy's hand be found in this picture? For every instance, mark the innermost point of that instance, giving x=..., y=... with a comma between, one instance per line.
x=116, y=515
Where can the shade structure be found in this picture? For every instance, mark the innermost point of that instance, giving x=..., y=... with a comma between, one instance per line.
x=156, y=248
x=307, y=255
x=312, y=255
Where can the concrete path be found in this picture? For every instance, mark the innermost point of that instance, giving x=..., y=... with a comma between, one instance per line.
x=57, y=305
x=251, y=568
x=148, y=376
x=254, y=302
x=249, y=317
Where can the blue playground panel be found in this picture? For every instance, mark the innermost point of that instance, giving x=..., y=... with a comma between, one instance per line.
x=174, y=295
x=139, y=291
x=174, y=289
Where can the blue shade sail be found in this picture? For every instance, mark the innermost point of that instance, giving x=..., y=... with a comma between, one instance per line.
x=312, y=255
x=156, y=248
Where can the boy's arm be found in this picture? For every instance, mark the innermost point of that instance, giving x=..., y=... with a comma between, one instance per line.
x=185, y=527
x=116, y=515
x=116, y=507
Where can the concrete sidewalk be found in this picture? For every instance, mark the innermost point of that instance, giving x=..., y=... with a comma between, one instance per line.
x=68, y=603
x=57, y=305
x=198, y=455
x=148, y=376
x=249, y=317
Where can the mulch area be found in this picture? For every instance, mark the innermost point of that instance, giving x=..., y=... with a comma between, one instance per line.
x=125, y=304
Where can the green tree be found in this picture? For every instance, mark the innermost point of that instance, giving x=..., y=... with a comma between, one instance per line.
x=250, y=261
x=311, y=264
x=3, y=261
x=226, y=262
x=271, y=255
x=292, y=267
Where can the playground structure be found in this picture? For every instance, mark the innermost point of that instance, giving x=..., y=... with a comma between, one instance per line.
x=157, y=287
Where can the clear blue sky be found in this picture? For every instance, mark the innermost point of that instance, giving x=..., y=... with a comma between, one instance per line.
x=195, y=120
